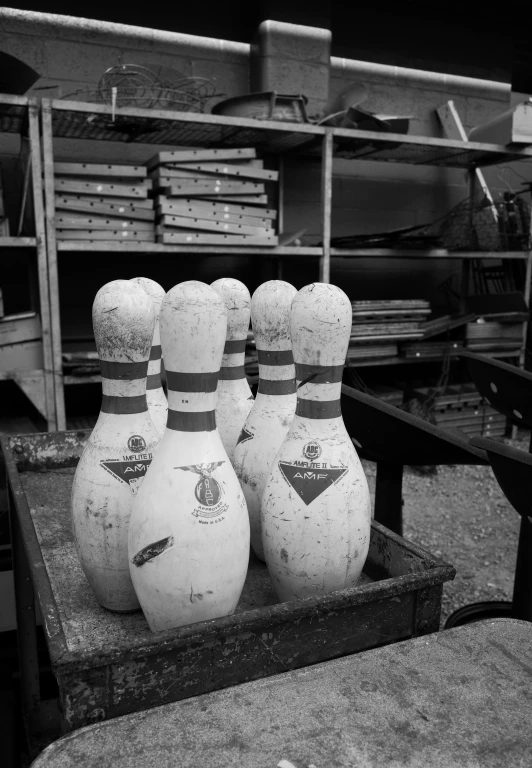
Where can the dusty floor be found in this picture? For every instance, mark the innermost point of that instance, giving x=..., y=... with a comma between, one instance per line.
x=461, y=515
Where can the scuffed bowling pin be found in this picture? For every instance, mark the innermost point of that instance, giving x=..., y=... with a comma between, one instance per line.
x=121, y=446
x=316, y=505
x=155, y=397
x=233, y=396
x=189, y=530
x=274, y=407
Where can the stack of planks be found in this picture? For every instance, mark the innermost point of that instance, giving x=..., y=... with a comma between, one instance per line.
x=462, y=407
x=213, y=197
x=98, y=202
x=379, y=325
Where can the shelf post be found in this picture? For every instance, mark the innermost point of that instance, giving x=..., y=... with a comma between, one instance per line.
x=53, y=282
x=326, y=204
x=42, y=265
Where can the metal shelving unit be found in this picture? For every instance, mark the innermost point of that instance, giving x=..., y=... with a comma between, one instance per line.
x=76, y=120
x=20, y=115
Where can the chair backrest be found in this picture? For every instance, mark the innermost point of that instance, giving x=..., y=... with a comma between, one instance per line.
x=506, y=387
x=513, y=470
x=386, y=433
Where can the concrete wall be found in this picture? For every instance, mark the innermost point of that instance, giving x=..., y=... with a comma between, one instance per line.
x=72, y=54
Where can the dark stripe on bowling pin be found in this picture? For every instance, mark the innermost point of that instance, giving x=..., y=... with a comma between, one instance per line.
x=235, y=372
x=234, y=347
x=124, y=405
x=191, y=421
x=277, y=387
x=230, y=374
x=192, y=382
x=156, y=352
x=275, y=357
x=123, y=371
x=318, y=409
x=153, y=381
x=318, y=374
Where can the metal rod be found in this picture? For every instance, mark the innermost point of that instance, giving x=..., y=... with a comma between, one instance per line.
x=53, y=278
x=326, y=205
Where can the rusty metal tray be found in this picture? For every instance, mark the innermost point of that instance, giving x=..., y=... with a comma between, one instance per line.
x=109, y=664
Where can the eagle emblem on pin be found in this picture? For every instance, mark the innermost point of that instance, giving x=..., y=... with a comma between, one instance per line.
x=208, y=490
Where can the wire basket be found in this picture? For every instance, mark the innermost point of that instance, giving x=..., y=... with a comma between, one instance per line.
x=485, y=226
x=132, y=85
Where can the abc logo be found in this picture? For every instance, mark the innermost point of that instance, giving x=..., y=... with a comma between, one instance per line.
x=208, y=492
x=137, y=444
x=312, y=450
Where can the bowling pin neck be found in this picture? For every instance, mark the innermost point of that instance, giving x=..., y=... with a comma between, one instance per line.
x=276, y=372
x=123, y=387
x=233, y=360
x=191, y=401
x=318, y=391
x=154, y=366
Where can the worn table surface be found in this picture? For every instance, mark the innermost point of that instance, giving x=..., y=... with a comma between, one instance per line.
x=87, y=626
x=456, y=699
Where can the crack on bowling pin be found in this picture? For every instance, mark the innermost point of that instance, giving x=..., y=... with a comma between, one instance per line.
x=106, y=312
x=152, y=550
x=306, y=381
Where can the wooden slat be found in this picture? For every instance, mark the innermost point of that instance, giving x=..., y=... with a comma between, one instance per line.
x=246, y=199
x=147, y=204
x=104, y=209
x=84, y=234
x=98, y=180
x=99, y=169
x=218, y=187
x=102, y=190
x=205, y=213
x=198, y=155
x=197, y=207
x=184, y=222
x=226, y=169
x=197, y=239
x=100, y=222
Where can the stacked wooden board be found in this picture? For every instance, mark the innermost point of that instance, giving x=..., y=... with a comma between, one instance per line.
x=213, y=197
x=462, y=407
x=378, y=326
x=494, y=336
x=99, y=202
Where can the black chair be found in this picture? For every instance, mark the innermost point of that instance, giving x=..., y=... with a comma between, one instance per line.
x=513, y=470
x=393, y=438
x=507, y=388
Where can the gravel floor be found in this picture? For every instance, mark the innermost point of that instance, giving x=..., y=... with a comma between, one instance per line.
x=461, y=515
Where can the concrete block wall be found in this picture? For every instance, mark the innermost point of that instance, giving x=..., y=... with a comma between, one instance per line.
x=72, y=54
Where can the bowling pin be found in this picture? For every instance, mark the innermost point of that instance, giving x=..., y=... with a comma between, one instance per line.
x=316, y=506
x=155, y=397
x=233, y=396
x=274, y=407
x=121, y=446
x=189, y=530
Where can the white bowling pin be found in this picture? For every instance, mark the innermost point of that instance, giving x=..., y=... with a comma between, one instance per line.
x=155, y=397
x=233, y=396
x=189, y=530
x=316, y=505
x=275, y=404
x=120, y=448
